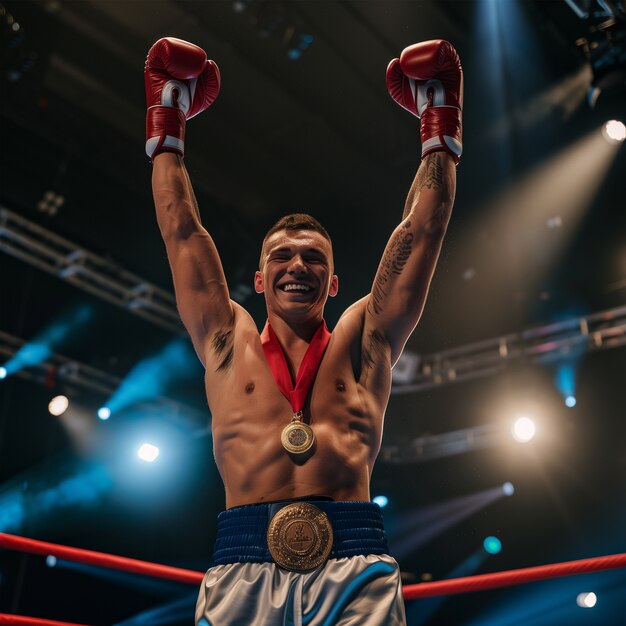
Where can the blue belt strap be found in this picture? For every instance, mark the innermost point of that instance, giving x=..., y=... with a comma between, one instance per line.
x=242, y=531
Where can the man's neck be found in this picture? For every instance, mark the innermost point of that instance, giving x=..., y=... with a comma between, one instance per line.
x=293, y=334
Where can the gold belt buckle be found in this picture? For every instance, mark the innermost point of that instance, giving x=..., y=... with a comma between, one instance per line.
x=300, y=537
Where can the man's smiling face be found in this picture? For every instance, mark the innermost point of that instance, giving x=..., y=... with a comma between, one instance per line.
x=296, y=273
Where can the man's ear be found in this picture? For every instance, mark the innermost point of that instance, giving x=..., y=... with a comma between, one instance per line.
x=258, y=282
x=334, y=286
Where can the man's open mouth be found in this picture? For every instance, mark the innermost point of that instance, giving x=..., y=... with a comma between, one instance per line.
x=296, y=287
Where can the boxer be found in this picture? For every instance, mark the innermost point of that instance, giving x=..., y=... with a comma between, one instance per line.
x=297, y=411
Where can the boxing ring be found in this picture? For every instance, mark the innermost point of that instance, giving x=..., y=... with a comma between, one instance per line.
x=451, y=586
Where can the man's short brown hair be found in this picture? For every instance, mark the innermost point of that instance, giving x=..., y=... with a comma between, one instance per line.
x=295, y=221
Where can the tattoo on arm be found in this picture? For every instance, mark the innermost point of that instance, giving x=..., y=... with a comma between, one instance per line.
x=433, y=178
x=429, y=176
x=393, y=262
x=222, y=344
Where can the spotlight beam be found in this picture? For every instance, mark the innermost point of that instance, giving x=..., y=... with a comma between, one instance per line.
x=86, y=377
x=422, y=525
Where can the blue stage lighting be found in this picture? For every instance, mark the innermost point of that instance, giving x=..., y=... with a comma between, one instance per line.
x=566, y=383
x=47, y=498
x=508, y=489
x=58, y=333
x=492, y=545
x=3, y=372
x=104, y=413
x=51, y=560
x=381, y=501
x=154, y=375
x=147, y=452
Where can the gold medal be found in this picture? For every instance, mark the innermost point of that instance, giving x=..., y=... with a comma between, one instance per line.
x=297, y=437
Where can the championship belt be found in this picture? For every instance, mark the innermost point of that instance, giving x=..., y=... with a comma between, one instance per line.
x=300, y=537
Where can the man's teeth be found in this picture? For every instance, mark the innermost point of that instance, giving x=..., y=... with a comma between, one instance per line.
x=294, y=287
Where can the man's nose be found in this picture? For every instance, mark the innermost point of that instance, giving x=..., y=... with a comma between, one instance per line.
x=297, y=265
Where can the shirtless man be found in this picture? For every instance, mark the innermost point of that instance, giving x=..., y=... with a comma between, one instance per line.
x=297, y=411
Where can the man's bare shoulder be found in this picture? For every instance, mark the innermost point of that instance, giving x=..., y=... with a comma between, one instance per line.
x=352, y=318
x=349, y=329
x=243, y=321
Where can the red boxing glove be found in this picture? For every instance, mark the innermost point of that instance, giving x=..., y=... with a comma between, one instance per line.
x=427, y=80
x=180, y=83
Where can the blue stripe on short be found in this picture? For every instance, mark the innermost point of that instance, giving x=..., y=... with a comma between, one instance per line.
x=242, y=531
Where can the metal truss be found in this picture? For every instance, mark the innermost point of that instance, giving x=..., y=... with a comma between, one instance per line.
x=38, y=246
x=430, y=447
x=72, y=373
x=542, y=344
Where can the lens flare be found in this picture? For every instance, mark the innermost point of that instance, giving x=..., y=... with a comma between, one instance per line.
x=492, y=545
x=614, y=131
x=104, y=413
x=524, y=429
x=381, y=501
x=586, y=600
x=147, y=452
x=58, y=405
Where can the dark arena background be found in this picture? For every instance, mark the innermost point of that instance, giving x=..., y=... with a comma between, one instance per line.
x=505, y=436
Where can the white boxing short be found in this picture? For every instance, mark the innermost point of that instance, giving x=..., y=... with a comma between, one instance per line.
x=301, y=563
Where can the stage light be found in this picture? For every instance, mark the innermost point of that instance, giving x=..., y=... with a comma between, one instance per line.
x=614, y=131
x=492, y=545
x=381, y=501
x=58, y=405
x=3, y=372
x=570, y=401
x=586, y=600
x=524, y=429
x=51, y=560
x=104, y=413
x=508, y=489
x=147, y=452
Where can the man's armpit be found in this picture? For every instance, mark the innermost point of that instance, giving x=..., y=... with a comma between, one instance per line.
x=222, y=345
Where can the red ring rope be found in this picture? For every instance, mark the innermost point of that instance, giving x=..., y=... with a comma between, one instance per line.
x=31, y=621
x=514, y=577
x=411, y=592
x=22, y=544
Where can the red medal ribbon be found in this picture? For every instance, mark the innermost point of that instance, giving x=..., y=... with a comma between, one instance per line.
x=308, y=368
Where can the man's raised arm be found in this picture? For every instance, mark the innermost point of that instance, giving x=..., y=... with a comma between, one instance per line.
x=427, y=81
x=180, y=83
